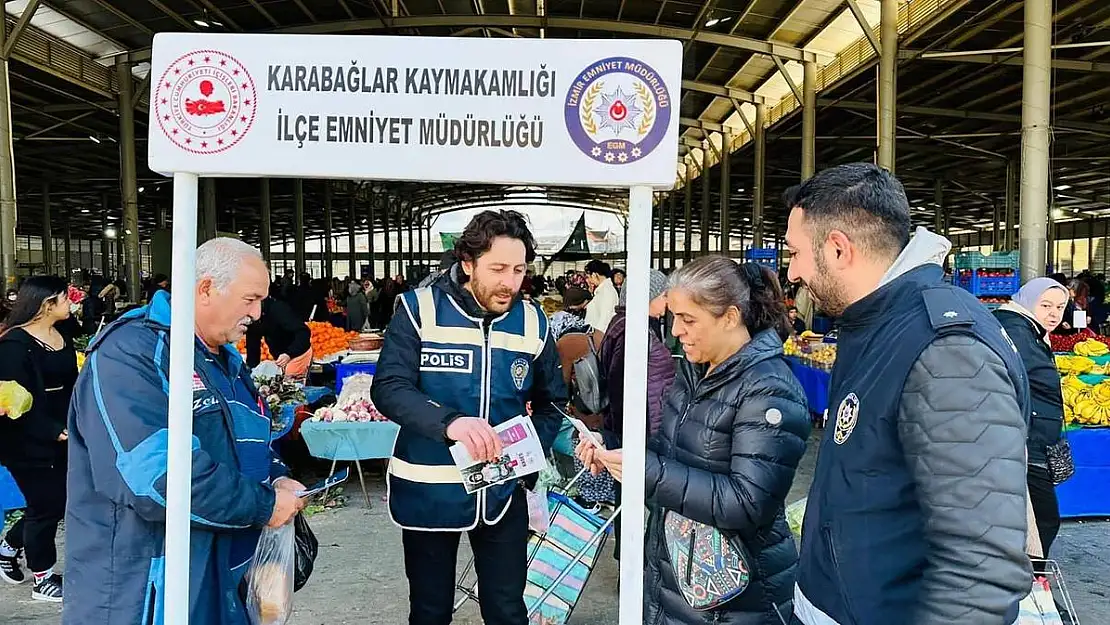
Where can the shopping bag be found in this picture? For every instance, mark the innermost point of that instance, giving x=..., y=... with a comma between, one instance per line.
x=795, y=515
x=539, y=514
x=270, y=578
x=1038, y=607
x=306, y=547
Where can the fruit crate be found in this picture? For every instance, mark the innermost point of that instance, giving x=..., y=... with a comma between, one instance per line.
x=977, y=260
x=764, y=256
x=992, y=302
x=988, y=282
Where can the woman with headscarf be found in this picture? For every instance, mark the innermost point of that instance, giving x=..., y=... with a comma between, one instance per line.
x=1034, y=312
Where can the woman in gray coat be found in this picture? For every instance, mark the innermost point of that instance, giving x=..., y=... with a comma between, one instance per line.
x=358, y=307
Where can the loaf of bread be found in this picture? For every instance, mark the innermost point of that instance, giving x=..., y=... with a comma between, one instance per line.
x=271, y=587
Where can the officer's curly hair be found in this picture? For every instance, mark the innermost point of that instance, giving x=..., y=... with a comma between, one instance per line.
x=487, y=226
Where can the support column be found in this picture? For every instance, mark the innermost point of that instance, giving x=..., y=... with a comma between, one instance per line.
x=938, y=206
x=7, y=177
x=726, y=224
x=760, y=141
x=1035, y=96
x=128, y=184
x=211, y=223
x=385, y=230
x=412, y=259
x=996, y=244
x=67, y=264
x=688, y=244
x=328, y=258
x=299, y=263
x=674, y=229
x=659, y=209
x=264, y=231
x=352, y=254
x=422, y=261
x=370, y=242
x=105, y=255
x=888, y=76
x=809, y=119
x=705, y=211
x=1009, y=207
x=47, y=239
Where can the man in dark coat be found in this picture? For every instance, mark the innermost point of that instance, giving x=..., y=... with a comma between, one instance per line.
x=916, y=514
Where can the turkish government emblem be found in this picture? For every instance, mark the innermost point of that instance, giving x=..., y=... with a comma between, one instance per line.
x=617, y=110
x=846, y=417
x=205, y=102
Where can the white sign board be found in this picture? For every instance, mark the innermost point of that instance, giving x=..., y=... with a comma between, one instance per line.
x=514, y=111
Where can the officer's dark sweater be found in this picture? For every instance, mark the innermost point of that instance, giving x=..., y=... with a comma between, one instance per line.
x=284, y=332
x=916, y=515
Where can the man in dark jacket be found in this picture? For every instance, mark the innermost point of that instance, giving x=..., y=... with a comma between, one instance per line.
x=116, y=515
x=288, y=338
x=916, y=514
x=461, y=357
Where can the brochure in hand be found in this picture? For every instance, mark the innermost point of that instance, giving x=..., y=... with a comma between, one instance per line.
x=521, y=455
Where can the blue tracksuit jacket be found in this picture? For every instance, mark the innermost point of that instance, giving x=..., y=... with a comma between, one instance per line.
x=115, y=521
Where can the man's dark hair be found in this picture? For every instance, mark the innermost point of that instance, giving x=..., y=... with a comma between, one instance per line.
x=862, y=200
x=599, y=267
x=487, y=226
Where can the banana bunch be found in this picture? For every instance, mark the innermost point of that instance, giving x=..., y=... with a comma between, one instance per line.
x=1091, y=347
x=1089, y=405
x=791, y=348
x=1074, y=365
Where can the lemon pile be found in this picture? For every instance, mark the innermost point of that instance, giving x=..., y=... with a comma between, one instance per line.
x=1085, y=404
x=1092, y=348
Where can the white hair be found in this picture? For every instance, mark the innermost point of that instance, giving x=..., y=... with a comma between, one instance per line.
x=219, y=260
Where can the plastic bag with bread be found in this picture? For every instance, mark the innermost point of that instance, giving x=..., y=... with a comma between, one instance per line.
x=270, y=578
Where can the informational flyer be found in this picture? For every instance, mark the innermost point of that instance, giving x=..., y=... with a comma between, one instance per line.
x=521, y=455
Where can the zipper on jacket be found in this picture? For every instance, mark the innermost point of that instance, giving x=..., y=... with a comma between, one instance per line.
x=840, y=585
x=690, y=556
x=484, y=400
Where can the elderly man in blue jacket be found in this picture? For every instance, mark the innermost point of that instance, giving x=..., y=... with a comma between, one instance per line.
x=115, y=522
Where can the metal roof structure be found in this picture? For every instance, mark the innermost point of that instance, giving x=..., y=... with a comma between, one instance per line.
x=958, y=113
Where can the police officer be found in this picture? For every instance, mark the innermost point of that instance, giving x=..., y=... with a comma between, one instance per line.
x=460, y=357
x=916, y=513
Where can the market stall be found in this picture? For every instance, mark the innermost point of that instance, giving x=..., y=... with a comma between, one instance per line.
x=811, y=359
x=1086, y=388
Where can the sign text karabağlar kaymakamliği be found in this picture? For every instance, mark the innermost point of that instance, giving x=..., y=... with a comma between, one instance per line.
x=510, y=131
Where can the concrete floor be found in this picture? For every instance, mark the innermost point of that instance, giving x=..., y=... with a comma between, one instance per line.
x=359, y=576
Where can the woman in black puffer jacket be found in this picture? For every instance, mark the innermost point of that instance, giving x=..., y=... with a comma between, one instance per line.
x=734, y=428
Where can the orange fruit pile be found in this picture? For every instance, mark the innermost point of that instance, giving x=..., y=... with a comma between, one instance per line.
x=328, y=339
x=242, y=347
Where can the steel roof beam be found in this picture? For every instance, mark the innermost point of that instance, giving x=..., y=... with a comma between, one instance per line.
x=731, y=93
x=532, y=21
x=962, y=114
x=862, y=21
x=1006, y=59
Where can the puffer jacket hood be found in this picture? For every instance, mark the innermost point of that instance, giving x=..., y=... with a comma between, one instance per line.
x=925, y=248
x=725, y=455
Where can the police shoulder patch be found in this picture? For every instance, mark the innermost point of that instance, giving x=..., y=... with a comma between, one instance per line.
x=846, y=417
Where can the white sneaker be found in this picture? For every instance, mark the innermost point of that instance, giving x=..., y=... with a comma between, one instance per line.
x=10, y=571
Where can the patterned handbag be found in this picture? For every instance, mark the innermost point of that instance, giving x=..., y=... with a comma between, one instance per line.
x=712, y=568
x=1060, y=464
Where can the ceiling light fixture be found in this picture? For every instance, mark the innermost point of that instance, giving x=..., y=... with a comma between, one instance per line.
x=110, y=233
x=94, y=139
x=201, y=23
x=717, y=20
x=1063, y=187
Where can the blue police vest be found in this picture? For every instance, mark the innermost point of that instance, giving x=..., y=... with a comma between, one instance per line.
x=480, y=368
x=862, y=547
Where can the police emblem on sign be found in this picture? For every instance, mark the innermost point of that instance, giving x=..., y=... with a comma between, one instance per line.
x=447, y=360
x=519, y=370
x=846, y=416
x=205, y=102
x=617, y=110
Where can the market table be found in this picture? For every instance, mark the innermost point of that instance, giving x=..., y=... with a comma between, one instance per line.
x=1087, y=493
x=815, y=383
x=350, y=441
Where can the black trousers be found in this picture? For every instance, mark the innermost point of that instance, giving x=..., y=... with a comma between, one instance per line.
x=45, y=492
x=1042, y=493
x=500, y=561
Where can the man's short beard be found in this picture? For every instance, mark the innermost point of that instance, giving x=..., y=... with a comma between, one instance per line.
x=827, y=289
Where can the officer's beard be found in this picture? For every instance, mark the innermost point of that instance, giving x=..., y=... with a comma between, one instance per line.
x=494, y=299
